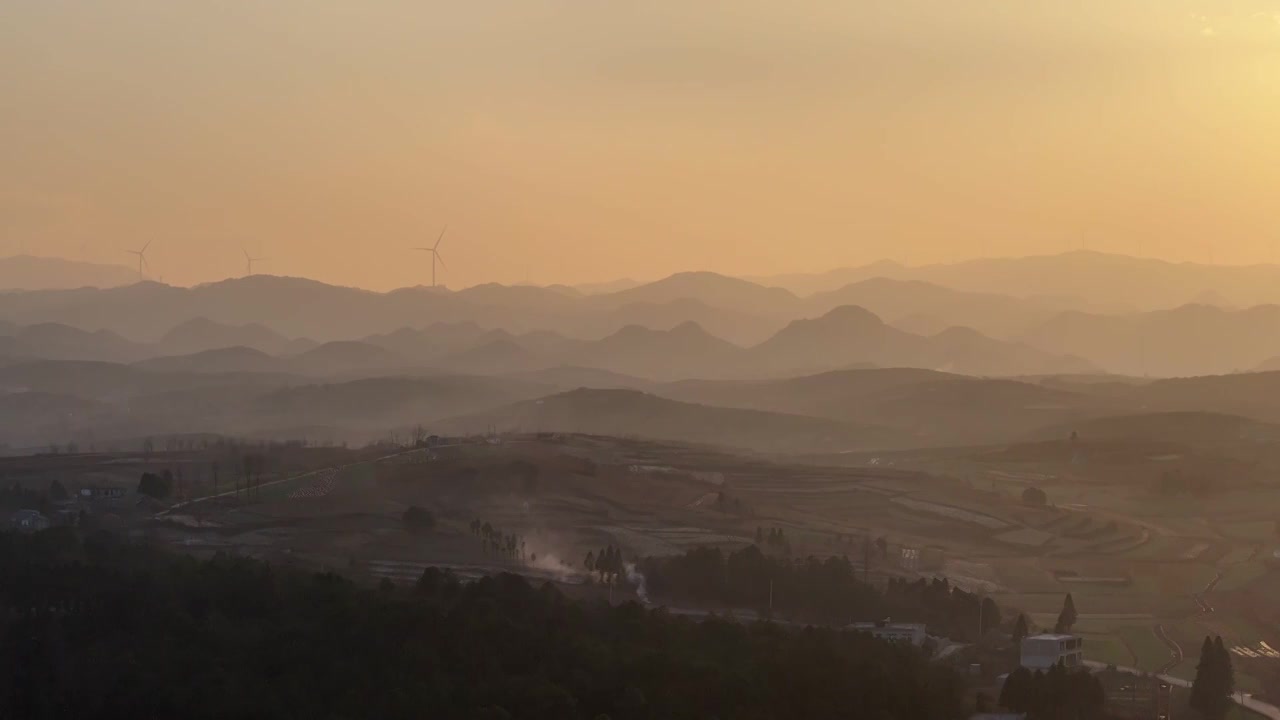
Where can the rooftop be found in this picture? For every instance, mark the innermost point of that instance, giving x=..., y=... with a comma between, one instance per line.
x=888, y=625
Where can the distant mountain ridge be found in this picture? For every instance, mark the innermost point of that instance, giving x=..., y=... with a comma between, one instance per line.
x=30, y=272
x=1185, y=341
x=1099, y=282
x=634, y=413
x=844, y=337
x=1020, y=315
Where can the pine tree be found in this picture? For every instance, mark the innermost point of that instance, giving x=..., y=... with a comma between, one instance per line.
x=1020, y=631
x=1066, y=618
x=1014, y=695
x=1202, y=685
x=1224, y=682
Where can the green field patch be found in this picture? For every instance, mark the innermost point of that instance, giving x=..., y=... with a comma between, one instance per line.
x=1025, y=537
x=1236, y=555
x=953, y=512
x=1150, y=653
x=1162, y=548
x=1258, y=530
x=1106, y=648
x=1242, y=575
x=1181, y=579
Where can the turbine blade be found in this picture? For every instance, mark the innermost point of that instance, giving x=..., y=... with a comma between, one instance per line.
x=246, y=254
x=144, y=247
x=441, y=260
x=442, y=232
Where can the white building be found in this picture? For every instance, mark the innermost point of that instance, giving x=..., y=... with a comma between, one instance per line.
x=913, y=633
x=28, y=521
x=1041, y=652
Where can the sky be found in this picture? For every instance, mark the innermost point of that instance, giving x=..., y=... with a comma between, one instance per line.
x=571, y=141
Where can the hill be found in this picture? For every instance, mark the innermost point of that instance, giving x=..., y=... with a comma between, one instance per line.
x=28, y=272
x=201, y=333
x=55, y=341
x=710, y=289
x=933, y=408
x=221, y=360
x=44, y=420
x=638, y=414
x=1191, y=428
x=850, y=335
x=493, y=356
x=1082, y=280
x=345, y=356
x=902, y=302
x=1184, y=341
x=736, y=326
x=683, y=351
x=388, y=402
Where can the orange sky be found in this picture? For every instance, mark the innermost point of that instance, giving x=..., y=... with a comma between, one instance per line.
x=572, y=141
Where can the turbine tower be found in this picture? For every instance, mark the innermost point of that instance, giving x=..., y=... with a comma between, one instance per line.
x=435, y=255
x=249, y=261
x=142, y=259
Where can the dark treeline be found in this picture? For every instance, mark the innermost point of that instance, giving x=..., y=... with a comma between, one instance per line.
x=494, y=540
x=826, y=591
x=99, y=629
x=1058, y=694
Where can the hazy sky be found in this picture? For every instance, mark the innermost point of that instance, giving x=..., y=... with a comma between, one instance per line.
x=570, y=141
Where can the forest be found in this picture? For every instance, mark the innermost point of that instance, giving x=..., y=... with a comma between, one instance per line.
x=812, y=590
x=96, y=627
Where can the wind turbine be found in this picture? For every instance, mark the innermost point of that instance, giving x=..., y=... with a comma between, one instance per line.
x=249, y=261
x=435, y=255
x=142, y=258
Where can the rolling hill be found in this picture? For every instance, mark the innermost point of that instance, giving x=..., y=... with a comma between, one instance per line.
x=28, y=272
x=345, y=356
x=902, y=302
x=200, y=334
x=683, y=351
x=631, y=413
x=850, y=335
x=933, y=408
x=1187, y=340
x=222, y=360
x=1083, y=280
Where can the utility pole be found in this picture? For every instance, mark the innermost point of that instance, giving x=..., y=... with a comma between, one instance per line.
x=981, y=598
x=866, y=559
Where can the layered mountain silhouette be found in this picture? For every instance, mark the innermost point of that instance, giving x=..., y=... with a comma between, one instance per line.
x=851, y=335
x=1087, y=280
x=846, y=336
x=200, y=334
x=1188, y=340
x=56, y=341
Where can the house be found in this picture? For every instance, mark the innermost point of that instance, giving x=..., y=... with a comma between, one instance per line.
x=1041, y=652
x=1135, y=697
x=28, y=521
x=102, y=493
x=913, y=633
